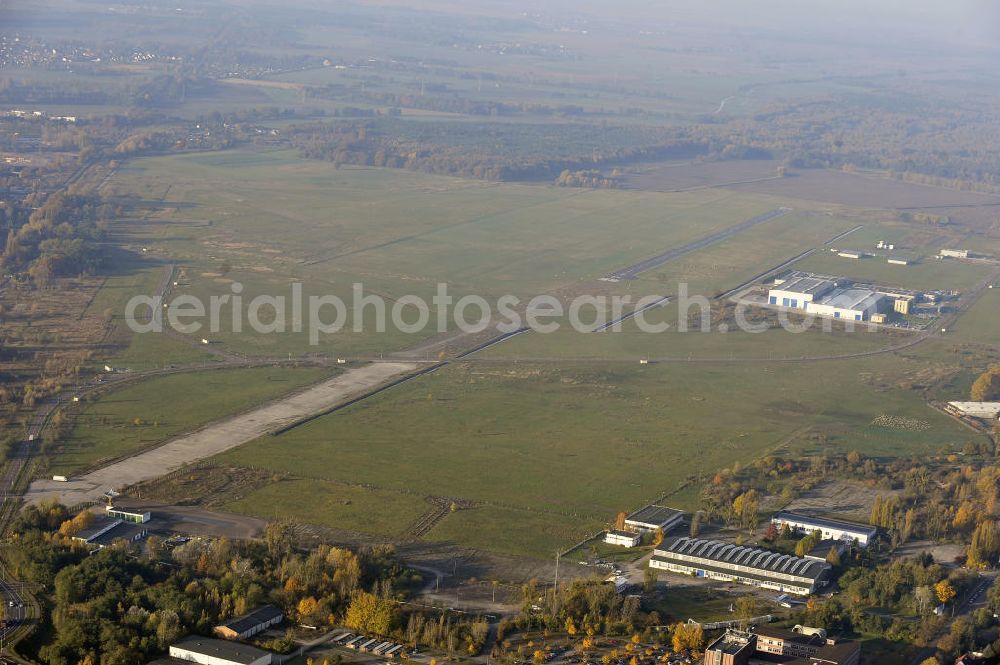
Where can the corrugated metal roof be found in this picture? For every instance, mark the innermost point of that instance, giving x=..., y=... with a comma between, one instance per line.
x=750, y=557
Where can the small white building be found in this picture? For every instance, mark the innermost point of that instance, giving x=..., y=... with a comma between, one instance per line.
x=134, y=515
x=896, y=261
x=208, y=651
x=830, y=529
x=623, y=538
x=850, y=254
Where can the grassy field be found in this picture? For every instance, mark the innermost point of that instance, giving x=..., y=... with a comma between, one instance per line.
x=699, y=603
x=981, y=324
x=337, y=505
x=731, y=262
x=545, y=438
x=155, y=409
x=928, y=274
x=551, y=453
x=401, y=233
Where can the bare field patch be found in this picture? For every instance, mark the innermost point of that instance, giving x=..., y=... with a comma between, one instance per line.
x=845, y=499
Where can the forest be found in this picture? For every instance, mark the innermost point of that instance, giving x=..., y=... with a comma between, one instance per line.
x=120, y=605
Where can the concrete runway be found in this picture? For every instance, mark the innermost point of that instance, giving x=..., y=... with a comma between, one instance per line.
x=218, y=437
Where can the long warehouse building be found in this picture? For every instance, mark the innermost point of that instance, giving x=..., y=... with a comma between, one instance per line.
x=737, y=563
x=830, y=529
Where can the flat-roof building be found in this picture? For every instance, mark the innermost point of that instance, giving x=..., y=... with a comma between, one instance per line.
x=623, y=538
x=653, y=517
x=754, y=566
x=799, y=290
x=988, y=410
x=130, y=514
x=803, y=646
x=773, y=646
x=730, y=648
x=248, y=625
x=208, y=651
x=107, y=530
x=847, y=303
x=830, y=529
x=955, y=253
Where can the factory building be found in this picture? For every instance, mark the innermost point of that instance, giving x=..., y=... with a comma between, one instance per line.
x=250, y=624
x=737, y=563
x=830, y=529
x=653, y=517
x=848, y=303
x=799, y=290
x=955, y=253
x=207, y=651
x=984, y=410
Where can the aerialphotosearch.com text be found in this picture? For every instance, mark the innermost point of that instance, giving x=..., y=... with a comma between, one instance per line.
x=322, y=315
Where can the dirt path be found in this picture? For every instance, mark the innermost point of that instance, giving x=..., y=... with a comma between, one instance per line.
x=218, y=437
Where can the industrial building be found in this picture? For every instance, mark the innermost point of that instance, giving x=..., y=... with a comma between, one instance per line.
x=653, y=517
x=797, y=290
x=825, y=296
x=208, y=651
x=848, y=303
x=134, y=515
x=737, y=563
x=250, y=624
x=955, y=253
x=830, y=529
x=985, y=410
x=107, y=530
x=623, y=538
x=800, y=646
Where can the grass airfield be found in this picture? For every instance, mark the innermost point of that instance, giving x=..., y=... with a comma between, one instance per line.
x=544, y=438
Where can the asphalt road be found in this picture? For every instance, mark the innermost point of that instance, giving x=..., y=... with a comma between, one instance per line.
x=14, y=608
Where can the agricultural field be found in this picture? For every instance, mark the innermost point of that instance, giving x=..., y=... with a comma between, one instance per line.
x=136, y=416
x=627, y=435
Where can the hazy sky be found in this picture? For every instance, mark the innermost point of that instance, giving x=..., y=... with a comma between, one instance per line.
x=954, y=21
